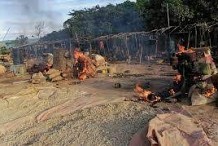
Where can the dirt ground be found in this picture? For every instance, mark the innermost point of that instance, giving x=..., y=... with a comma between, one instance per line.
x=89, y=113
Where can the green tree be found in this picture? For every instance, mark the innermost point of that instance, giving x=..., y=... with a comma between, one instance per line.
x=99, y=21
x=56, y=35
x=154, y=12
x=203, y=10
x=181, y=12
x=4, y=50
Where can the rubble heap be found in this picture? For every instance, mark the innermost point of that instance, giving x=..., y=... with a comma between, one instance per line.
x=195, y=70
x=196, y=66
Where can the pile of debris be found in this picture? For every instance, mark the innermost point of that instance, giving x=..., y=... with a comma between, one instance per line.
x=87, y=66
x=52, y=75
x=195, y=70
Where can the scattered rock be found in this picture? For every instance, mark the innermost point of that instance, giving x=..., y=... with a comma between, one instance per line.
x=127, y=71
x=117, y=85
x=51, y=71
x=38, y=78
x=99, y=60
x=58, y=78
x=55, y=74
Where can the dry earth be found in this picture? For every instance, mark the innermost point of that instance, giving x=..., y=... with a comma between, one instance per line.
x=90, y=113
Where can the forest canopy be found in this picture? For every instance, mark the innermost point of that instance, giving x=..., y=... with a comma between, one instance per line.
x=98, y=21
x=181, y=12
x=131, y=17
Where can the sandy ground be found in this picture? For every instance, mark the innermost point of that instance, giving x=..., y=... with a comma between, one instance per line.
x=109, y=124
x=90, y=113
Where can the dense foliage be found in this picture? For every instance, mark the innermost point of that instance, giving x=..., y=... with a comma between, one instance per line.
x=98, y=21
x=4, y=50
x=57, y=35
x=181, y=12
x=131, y=16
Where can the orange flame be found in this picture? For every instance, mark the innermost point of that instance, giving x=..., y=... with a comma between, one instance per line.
x=209, y=92
x=142, y=94
x=88, y=69
x=146, y=95
x=181, y=49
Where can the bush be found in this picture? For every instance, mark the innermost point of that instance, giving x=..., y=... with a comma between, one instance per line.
x=4, y=50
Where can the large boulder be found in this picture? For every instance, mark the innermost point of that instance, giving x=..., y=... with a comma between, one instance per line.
x=99, y=60
x=173, y=129
x=38, y=78
x=54, y=75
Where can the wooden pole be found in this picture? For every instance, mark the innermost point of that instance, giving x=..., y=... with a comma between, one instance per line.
x=127, y=48
x=156, y=47
x=70, y=49
x=107, y=46
x=196, y=35
x=141, y=53
x=210, y=43
x=168, y=16
x=140, y=57
x=201, y=36
x=90, y=48
x=136, y=41
x=77, y=39
x=189, y=35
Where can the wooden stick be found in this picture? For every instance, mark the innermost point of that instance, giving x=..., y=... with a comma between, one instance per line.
x=189, y=34
x=196, y=34
x=127, y=48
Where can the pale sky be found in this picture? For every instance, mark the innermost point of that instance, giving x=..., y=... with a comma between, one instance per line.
x=21, y=16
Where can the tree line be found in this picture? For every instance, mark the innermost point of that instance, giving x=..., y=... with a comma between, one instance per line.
x=130, y=16
x=98, y=21
x=181, y=12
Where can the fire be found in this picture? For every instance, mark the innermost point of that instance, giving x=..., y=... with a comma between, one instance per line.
x=182, y=49
x=87, y=68
x=146, y=95
x=142, y=94
x=209, y=92
x=78, y=55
